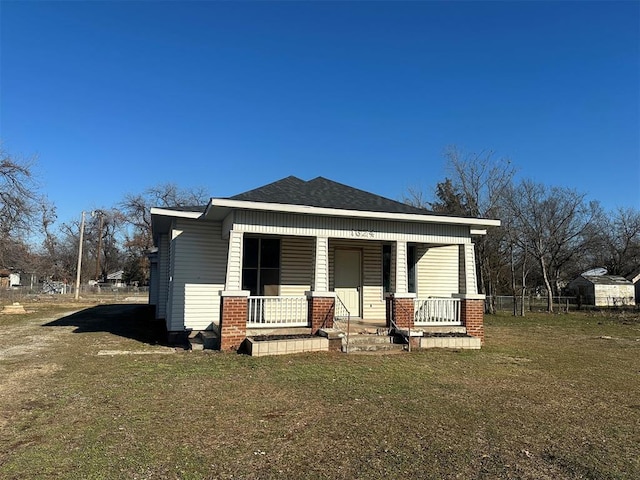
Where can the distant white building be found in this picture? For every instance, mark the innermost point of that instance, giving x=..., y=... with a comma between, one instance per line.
x=635, y=279
x=603, y=290
x=115, y=278
x=14, y=279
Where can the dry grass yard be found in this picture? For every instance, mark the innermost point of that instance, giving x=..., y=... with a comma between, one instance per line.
x=89, y=396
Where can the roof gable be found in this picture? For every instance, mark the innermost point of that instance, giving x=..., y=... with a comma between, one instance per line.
x=324, y=193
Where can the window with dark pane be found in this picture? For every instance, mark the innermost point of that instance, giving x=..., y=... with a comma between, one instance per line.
x=261, y=266
x=386, y=267
x=411, y=268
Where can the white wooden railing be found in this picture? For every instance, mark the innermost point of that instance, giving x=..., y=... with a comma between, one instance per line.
x=437, y=311
x=277, y=312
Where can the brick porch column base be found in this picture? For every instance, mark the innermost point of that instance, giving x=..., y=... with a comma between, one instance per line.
x=472, y=316
x=321, y=310
x=400, y=307
x=233, y=320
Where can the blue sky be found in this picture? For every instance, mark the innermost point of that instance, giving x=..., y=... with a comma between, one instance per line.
x=115, y=97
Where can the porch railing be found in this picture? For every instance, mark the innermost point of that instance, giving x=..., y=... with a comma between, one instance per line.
x=342, y=319
x=277, y=312
x=437, y=311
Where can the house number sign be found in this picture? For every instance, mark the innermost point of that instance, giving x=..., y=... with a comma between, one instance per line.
x=363, y=233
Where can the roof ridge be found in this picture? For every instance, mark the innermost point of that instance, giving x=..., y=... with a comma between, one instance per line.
x=324, y=192
x=361, y=190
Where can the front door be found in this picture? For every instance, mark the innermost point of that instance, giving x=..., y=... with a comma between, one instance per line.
x=348, y=279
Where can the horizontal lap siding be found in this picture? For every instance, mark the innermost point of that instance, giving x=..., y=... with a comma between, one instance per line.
x=163, y=276
x=373, y=305
x=438, y=271
x=198, y=275
x=296, y=265
x=272, y=223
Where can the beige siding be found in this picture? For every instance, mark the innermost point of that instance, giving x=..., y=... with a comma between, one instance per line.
x=321, y=264
x=153, y=284
x=296, y=265
x=233, y=261
x=355, y=229
x=438, y=271
x=163, y=276
x=373, y=305
x=199, y=266
x=467, y=271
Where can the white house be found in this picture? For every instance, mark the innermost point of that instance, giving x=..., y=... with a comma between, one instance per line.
x=603, y=290
x=115, y=279
x=635, y=279
x=299, y=253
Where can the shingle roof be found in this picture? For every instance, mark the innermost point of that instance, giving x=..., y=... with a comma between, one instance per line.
x=325, y=193
x=607, y=280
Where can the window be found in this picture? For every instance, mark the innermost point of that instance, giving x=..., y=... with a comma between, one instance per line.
x=411, y=268
x=261, y=266
x=386, y=268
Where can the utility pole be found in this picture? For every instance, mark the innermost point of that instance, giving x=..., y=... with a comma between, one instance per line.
x=100, y=214
x=79, y=257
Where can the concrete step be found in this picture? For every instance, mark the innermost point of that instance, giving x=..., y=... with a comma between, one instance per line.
x=372, y=347
x=369, y=339
x=371, y=343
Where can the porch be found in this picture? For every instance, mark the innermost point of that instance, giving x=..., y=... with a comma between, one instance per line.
x=407, y=318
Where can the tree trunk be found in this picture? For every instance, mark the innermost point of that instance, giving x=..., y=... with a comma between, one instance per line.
x=524, y=281
x=514, y=293
x=547, y=284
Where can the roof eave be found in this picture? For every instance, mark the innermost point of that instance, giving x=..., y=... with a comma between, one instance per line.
x=475, y=223
x=161, y=218
x=175, y=213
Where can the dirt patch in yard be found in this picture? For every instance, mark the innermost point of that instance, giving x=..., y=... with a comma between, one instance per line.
x=27, y=341
x=24, y=360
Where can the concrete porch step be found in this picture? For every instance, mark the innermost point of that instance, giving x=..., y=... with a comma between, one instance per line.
x=370, y=339
x=370, y=343
x=373, y=347
x=204, y=340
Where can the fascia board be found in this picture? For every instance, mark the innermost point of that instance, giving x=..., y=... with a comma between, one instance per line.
x=174, y=213
x=334, y=212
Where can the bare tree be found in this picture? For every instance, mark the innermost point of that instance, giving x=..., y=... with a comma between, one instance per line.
x=415, y=197
x=48, y=262
x=619, y=241
x=551, y=225
x=136, y=210
x=475, y=188
x=105, y=236
x=18, y=207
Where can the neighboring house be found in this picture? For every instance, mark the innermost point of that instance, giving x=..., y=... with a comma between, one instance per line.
x=115, y=279
x=4, y=278
x=635, y=279
x=9, y=279
x=299, y=253
x=603, y=290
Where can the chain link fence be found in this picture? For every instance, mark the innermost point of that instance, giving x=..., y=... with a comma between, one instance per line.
x=560, y=304
x=533, y=303
x=58, y=291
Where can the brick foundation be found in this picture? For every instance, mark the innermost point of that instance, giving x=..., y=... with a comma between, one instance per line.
x=472, y=316
x=321, y=311
x=233, y=323
x=401, y=310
